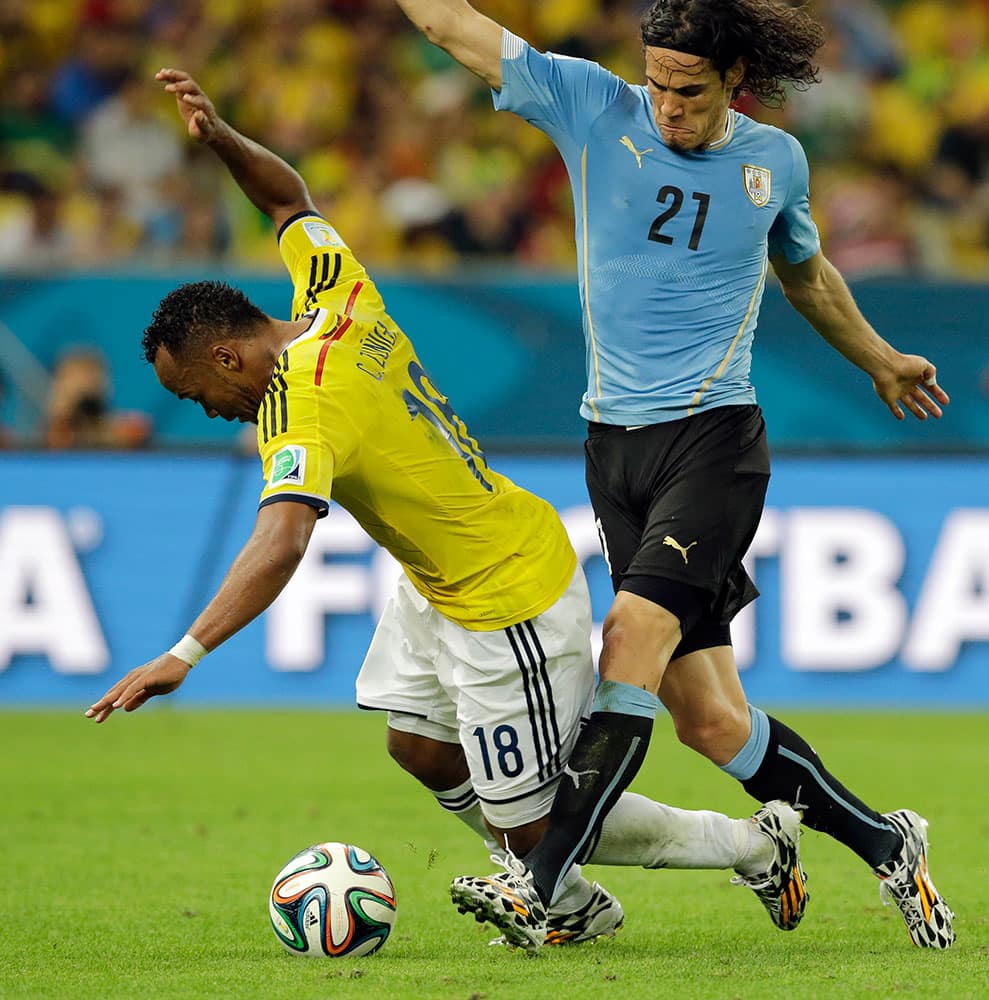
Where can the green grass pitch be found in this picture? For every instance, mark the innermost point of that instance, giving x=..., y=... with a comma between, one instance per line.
x=137, y=858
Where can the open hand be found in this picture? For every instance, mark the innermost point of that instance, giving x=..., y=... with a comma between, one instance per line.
x=161, y=675
x=194, y=106
x=911, y=382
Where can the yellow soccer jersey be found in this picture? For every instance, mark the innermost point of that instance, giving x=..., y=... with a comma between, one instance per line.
x=350, y=411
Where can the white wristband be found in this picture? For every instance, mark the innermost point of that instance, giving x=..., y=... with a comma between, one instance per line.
x=189, y=650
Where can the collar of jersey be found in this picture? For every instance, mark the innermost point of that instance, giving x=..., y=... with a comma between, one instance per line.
x=727, y=137
x=316, y=325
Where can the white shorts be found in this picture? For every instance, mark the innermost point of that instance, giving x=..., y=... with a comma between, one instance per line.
x=513, y=698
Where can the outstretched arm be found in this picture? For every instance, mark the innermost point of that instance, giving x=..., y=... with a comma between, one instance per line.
x=258, y=575
x=270, y=183
x=819, y=293
x=473, y=39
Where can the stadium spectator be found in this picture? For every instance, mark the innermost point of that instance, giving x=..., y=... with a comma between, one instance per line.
x=125, y=147
x=78, y=413
x=101, y=57
x=873, y=225
x=961, y=168
x=32, y=137
x=33, y=234
x=347, y=79
x=867, y=36
x=827, y=118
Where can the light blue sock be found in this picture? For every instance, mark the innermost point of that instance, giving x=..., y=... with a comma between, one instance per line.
x=625, y=699
x=746, y=762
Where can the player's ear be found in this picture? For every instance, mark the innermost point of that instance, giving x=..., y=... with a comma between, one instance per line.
x=226, y=357
x=735, y=74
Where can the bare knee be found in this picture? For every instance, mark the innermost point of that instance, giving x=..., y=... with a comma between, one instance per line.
x=638, y=639
x=438, y=765
x=717, y=733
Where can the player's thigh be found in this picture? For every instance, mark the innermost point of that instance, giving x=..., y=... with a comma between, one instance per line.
x=522, y=693
x=618, y=524
x=708, y=501
x=428, y=750
x=406, y=671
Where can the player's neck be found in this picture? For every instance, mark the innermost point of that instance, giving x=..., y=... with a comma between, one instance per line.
x=719, y=133
x=281, y=333
x=270, y=342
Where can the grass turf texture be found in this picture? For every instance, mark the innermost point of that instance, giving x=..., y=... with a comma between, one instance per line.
x=137, y=858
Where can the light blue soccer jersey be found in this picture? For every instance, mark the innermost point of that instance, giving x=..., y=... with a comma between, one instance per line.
x=671, y=246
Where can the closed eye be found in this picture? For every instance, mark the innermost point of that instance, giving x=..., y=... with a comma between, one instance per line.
x=694, y=90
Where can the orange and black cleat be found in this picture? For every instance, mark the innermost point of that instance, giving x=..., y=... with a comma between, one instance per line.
x=508, y=900
x=782, y=889
x=906, y=882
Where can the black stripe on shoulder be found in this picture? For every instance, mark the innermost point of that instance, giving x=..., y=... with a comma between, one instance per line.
x=272, y=415
x=263, y=417
x=305, y=213
x=310, y=291
x=321, y=507
x=283, y=403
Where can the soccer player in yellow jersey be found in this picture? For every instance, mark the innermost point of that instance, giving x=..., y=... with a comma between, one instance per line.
x=482, y=658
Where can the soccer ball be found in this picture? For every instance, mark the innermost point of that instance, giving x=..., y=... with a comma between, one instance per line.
x=332, y=899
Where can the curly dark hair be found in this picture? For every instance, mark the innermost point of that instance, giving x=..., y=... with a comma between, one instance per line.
x=776, y=39
x=198, y=314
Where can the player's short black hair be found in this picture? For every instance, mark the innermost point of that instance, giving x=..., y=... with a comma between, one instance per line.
x=777, y=40
x=198, y=314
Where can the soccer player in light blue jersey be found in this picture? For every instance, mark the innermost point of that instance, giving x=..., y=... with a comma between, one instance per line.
x=682, y=204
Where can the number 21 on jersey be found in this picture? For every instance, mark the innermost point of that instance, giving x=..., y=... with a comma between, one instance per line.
x=673, y=198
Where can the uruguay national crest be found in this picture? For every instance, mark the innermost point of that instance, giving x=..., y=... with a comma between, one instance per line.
x=758, y=183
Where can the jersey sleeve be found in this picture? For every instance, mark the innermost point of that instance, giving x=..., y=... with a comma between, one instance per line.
x=308, y=245
x=298, y=462
x=793, y=234
x=560, y=95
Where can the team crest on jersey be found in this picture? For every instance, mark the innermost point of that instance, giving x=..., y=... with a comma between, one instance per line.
x=758, y=182
x=321, y=234
x=288, y=466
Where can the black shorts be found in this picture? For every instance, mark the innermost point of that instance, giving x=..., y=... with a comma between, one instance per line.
x=677, y=505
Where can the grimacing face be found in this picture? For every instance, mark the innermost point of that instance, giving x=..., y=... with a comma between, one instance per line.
x=689, y=98
x=216, y=381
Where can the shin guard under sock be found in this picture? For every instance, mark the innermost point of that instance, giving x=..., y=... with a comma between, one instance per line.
x=605, y=759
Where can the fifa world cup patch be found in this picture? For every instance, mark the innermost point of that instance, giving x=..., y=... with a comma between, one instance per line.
x=321, y=234
x=288, y=466
x=758, y=183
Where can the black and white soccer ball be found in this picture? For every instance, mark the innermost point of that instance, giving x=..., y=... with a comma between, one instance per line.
x=332, y=900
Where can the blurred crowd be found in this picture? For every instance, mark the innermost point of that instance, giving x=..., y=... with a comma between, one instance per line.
x=402, y=150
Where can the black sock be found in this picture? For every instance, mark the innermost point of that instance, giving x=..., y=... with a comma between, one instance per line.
x=605, y=759
x=792, y=771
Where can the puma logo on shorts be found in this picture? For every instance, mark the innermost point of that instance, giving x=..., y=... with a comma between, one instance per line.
x=674, y=544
